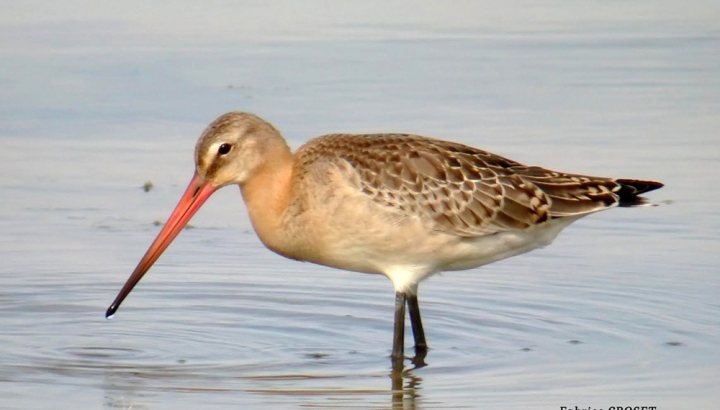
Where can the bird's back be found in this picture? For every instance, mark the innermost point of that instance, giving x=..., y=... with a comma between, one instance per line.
x=463, y=190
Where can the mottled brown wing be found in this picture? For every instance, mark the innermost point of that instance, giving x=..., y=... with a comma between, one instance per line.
x=464, y=190
x=571, y=194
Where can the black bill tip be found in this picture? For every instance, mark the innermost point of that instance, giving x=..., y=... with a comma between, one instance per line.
x=111, y=311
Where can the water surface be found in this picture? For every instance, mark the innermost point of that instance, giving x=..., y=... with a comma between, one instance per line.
x=98, y=99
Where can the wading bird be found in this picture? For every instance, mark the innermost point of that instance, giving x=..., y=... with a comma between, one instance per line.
x=400, y=205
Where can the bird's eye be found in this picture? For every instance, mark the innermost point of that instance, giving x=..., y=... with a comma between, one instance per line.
x=224, y=148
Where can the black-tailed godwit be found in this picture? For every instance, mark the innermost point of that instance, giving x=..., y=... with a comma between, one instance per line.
x=400, y=205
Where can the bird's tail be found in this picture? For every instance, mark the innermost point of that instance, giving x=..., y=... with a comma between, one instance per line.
x=630, y=190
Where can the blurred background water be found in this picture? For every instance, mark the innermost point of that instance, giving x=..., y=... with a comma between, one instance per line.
x=98, y=98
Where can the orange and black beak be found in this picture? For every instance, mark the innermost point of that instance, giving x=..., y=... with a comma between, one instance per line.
x=196, y=194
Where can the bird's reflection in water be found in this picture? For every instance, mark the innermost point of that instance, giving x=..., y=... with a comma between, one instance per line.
x=134, y=386
x=124, y=389
x=405, y=384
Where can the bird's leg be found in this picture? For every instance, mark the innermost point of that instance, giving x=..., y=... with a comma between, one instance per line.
x=417, y=327
x=399, y=334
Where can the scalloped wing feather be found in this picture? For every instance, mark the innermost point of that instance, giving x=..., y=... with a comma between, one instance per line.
x=461, y=190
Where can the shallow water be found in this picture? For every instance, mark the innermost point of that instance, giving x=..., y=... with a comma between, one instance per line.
x=622, y=310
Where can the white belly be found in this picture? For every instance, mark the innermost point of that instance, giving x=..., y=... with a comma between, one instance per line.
x=408, y=253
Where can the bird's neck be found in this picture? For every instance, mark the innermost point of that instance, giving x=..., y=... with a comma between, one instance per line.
x=266, y=195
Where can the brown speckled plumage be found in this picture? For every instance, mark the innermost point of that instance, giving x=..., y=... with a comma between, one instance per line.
x=400, y=205
x=464, y=190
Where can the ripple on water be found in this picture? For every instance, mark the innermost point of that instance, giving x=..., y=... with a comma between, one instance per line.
x=84, y=360
x=96, y=353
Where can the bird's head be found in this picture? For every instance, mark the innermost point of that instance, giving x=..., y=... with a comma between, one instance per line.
x=231, y=150
x=235, y=147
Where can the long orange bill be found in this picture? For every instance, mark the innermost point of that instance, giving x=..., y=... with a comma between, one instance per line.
x=196, y=194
